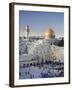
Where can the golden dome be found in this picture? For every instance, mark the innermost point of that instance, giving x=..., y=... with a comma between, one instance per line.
x=49, y=34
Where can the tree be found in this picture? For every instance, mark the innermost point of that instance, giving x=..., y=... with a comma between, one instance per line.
x=61, y=43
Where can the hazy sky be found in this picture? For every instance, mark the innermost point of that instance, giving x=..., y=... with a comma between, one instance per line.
x=39, y=22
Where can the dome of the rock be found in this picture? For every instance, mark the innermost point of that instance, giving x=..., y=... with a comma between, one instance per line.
x=49, y=34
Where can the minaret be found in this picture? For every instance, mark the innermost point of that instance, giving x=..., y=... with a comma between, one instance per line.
x=27, y=30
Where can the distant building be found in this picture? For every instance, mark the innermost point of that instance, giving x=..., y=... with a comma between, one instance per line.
x=49, y=34
x=27, y=30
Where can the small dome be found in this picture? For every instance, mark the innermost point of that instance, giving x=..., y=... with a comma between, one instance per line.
x=49, y=34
